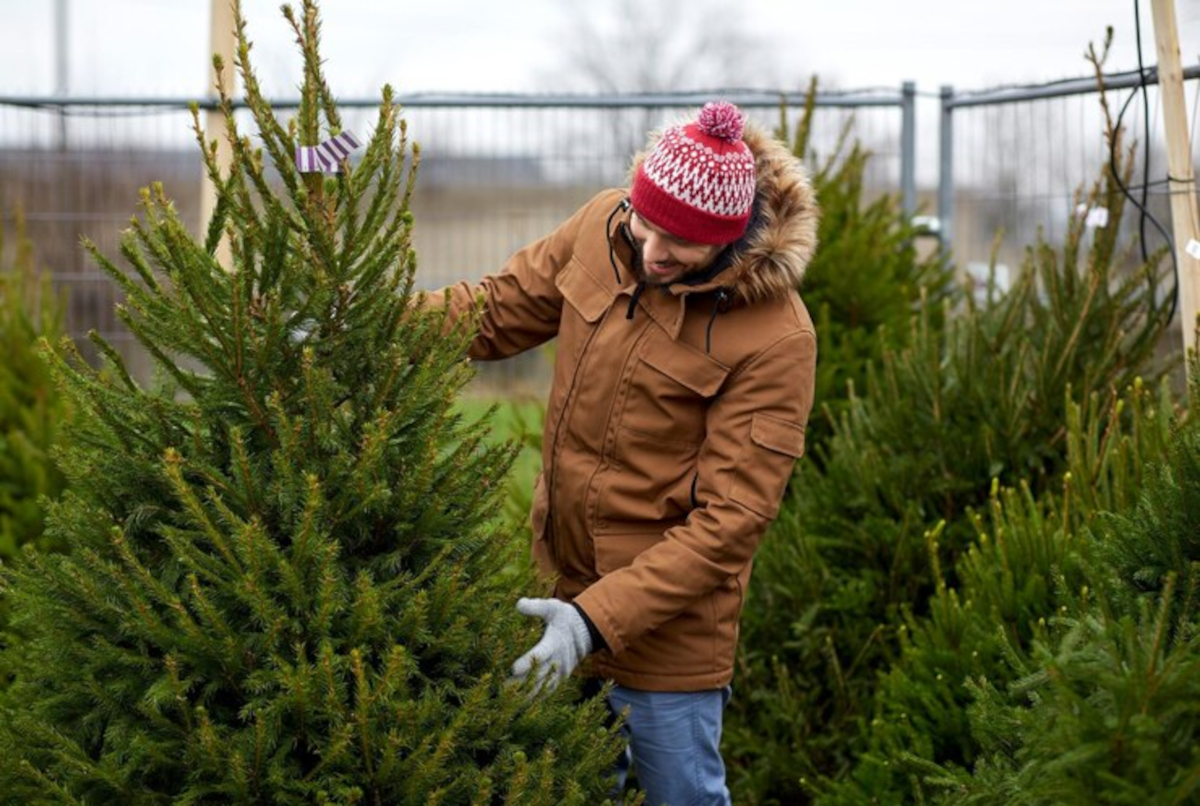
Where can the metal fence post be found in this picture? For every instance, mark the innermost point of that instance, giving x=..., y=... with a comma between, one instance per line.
x=908, y=147
x=946, y=169
x=62, y=83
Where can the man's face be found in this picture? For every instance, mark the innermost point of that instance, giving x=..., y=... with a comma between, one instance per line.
x=665, y=258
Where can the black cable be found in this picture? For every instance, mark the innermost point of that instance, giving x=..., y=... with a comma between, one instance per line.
x=1137, y=25
x=1112, y=164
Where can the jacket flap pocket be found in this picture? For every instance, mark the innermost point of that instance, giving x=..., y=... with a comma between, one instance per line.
x=583, y=292
x=777, y=435
x=685, y=365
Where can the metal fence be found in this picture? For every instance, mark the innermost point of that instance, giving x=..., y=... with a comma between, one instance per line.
x=497, y=172
x=500, y=171
x=1015, y=162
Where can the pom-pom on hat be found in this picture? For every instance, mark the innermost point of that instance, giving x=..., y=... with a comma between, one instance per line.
x=698, y=181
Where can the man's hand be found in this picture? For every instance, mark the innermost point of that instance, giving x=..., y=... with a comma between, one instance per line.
x=565, y=643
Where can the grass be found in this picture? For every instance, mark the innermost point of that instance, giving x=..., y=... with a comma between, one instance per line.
x=517, y=420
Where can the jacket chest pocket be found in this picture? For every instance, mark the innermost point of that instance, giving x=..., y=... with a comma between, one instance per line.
x=670, y=390
x=584, y=293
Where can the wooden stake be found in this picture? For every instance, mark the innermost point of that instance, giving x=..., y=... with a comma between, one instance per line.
x=223, y=41
x=1179, y=165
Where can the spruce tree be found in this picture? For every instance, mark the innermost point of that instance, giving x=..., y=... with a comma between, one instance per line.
x=867, y=276
x=978, y=396
x=285, y=582
x=32, y=412
x=1005, y=601
x=1093, y=693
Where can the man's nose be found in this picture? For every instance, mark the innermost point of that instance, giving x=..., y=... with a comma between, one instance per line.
x=654, y=249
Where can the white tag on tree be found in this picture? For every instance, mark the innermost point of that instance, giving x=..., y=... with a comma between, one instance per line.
x=1097, y=217
x=1193, y=248
x=1093, y=217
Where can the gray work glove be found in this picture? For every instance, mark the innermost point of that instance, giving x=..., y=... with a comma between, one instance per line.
x=565, y=643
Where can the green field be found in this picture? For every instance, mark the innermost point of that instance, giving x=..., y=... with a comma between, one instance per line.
x=514, y=419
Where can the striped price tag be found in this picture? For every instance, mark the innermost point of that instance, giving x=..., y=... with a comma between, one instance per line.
x=327, y=157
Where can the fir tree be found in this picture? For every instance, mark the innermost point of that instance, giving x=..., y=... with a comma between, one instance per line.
x=32, y=412
x=978, y=396
x=1017, y=585
x=1097, y=699
x=867, y=276
x=284, y=581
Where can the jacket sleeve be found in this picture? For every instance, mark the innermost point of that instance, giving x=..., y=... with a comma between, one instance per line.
x=520, y=307
x=755, y=435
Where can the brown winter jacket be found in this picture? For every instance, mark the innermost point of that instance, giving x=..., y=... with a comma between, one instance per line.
x=674, y=420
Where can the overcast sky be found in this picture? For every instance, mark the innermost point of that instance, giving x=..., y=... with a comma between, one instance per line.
x=158, y=47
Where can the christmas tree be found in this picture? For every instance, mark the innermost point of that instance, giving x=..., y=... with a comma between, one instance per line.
x=979, y=396
x=285, y=582
x=1064, y=667
x=32, y=412
x=868, y=275
x=1034, y=584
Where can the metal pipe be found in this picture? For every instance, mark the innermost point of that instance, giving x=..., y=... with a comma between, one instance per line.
x=946, y=168
x=908, y=148
x=444, y=100
x=1062, y=89
x=61, y=66
x=747, y=98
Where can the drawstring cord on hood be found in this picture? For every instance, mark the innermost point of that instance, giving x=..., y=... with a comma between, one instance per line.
x=624, y=204
x=612, y=258
x=633, y=299
x=718, y=306
x=722, y=295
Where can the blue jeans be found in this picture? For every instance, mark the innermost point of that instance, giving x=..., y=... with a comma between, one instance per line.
x=675, y=744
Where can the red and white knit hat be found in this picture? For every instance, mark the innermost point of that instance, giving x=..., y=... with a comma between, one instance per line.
x=698, y=181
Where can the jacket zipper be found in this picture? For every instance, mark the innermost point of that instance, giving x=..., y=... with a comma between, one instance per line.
x=568, y=404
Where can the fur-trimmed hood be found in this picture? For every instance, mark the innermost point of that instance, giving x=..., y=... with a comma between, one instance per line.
x=770, y=259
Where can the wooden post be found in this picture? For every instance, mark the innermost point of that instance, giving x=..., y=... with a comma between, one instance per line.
x=223, y=41
x=1179, y=166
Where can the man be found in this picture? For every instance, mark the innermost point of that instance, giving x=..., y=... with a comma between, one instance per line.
x=682, y=384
